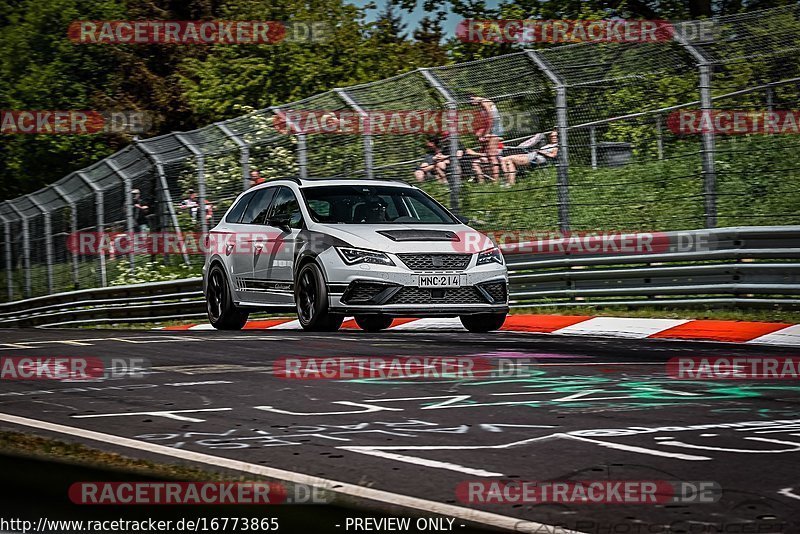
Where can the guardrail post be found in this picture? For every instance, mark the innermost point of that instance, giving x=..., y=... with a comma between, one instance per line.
x=454, y=177
x=201, y=182
x=367, y=137
x=593, y=146
x=128, y=188
x=73, y=223
x=98, y=198
x=165, y=194
x=244, y=151
x=9, y=261
x=563, y=144
x=709, y=139
x=48, y=241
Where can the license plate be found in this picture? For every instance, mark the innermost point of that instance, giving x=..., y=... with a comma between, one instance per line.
x=439, y=280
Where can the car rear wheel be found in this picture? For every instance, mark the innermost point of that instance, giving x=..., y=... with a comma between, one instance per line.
x=222, y=312
x=311, y=298
x=483, y=322
x=373, y=323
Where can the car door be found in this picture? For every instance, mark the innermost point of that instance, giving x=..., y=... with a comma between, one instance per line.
x=274, y=265
x=250, y=237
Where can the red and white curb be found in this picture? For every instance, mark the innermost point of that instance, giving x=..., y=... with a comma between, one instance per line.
x=583, y=325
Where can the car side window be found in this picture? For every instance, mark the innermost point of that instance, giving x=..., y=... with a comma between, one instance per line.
x=256, y=212
x=285, y=204
x=235, y=215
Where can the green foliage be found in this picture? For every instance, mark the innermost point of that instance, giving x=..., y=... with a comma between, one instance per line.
x=151, y=272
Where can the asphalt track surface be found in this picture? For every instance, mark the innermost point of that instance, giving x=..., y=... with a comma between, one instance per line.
x=580, y=409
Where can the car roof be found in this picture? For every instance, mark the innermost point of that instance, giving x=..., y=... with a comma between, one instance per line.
x=332, y=181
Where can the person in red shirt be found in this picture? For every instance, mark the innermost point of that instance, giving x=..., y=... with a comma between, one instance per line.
x=256, y=178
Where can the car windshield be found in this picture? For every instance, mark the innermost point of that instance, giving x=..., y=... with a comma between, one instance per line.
x=373, y=204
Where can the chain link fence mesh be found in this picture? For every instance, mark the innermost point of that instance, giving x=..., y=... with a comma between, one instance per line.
x=619, y=165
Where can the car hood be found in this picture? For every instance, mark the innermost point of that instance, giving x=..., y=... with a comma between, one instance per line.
x=395, y=238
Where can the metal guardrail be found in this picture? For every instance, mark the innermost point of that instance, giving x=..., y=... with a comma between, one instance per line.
x=156, y=301
x=745, y=266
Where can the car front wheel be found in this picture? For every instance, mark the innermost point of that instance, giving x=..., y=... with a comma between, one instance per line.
x=311, y=298
x=483, y=322
x=222, y=312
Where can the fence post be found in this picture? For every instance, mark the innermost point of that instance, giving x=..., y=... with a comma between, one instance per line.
x=368, y=162
x=709, y=138
x=165, y=194
x=302, y=156
x=9, y=261
x=454, y=178
x=201, y=181
x=563, y=141
x=660, y=136
x=98, y=198
x=26, y=251
x=770, y=98
x=128, y=188
x=48, y=241
x=593, y=146
x=73, y=223
x=244, y=151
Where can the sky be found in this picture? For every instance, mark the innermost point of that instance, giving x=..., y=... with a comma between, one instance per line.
x=412, y=19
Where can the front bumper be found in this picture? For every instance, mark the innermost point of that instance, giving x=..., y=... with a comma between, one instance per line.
x=394, y=290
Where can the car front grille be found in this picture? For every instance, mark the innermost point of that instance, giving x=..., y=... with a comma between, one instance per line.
x=436, y=262
x=421, y=295
x=497, y=290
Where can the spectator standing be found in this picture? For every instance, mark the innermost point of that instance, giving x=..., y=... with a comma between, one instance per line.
x=489, y=133
x=140, y=212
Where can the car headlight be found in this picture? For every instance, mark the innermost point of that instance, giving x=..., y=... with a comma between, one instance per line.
x=493, y=255
x=352, y=256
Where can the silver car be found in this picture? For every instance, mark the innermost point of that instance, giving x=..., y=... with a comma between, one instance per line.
x=372, y=249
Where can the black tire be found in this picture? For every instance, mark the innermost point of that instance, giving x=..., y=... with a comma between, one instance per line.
x=311, y=298
x=222, y=312
x=483, y=322
x=373, y=323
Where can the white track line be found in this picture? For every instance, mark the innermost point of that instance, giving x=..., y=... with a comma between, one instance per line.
x=352, y=490
x=432, y=323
